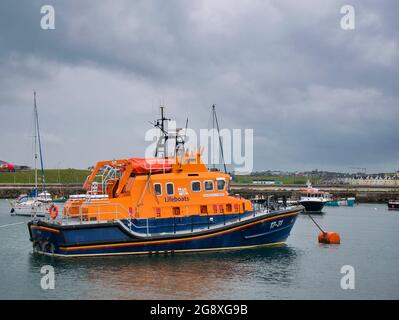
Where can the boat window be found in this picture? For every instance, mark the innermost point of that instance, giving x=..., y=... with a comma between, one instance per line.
x=158, y=189
x=204, y=209
x=195, y=186
x=208, y=185
x=170, y=189
x=220, y=184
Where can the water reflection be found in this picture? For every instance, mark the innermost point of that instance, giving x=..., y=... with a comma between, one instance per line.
x=181, y=276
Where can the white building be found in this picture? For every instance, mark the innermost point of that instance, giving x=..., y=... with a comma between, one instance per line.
x=386, y=181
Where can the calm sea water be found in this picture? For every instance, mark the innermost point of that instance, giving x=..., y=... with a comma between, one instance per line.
x=303, y=269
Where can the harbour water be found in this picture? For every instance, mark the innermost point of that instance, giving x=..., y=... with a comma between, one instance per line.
x=303, y=269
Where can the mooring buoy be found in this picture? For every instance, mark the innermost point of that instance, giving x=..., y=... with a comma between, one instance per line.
x=329, y=237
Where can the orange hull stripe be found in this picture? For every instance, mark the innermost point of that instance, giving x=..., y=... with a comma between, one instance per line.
x=174, y=240
x=45, y=228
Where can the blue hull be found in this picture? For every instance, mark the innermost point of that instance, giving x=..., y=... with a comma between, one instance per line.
x=312, y=206
x=114, y=238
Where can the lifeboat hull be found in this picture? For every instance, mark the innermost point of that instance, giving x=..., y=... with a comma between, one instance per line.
x=115, y=239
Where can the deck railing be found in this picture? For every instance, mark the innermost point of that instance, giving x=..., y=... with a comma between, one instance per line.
x=123, y=216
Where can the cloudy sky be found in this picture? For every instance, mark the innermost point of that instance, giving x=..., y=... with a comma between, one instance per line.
x=316, y=96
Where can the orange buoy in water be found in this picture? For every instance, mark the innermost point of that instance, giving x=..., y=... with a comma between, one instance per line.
x=329, y=238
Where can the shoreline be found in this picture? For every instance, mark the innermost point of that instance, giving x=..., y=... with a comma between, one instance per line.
x=12, y=191
x=363, y=194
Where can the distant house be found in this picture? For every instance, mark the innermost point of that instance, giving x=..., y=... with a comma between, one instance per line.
x=379, y=180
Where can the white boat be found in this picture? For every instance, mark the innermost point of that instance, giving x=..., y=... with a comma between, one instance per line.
x=31, y=208
x=37, y=204
x=313, y=199
x=44, y=196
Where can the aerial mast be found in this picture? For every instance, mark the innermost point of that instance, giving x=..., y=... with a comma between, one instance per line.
x=215, y=121
x=161, y=149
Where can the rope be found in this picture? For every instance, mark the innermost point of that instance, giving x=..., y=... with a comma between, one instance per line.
x=310, y=216
x=12, y=224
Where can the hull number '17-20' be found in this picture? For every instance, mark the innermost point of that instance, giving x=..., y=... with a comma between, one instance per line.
x=276, y=224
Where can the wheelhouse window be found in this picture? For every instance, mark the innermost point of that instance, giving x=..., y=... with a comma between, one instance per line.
x=195, y=186
x=220, y=184
x=158, y=189
x=170, y=189
x=208, y=185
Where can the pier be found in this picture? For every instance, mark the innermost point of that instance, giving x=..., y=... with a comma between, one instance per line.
x=363, y=194
x=11, y=191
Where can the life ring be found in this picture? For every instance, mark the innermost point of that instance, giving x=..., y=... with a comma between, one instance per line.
x=53, y=211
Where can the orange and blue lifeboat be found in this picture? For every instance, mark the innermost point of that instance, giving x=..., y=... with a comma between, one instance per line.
x=158, y=205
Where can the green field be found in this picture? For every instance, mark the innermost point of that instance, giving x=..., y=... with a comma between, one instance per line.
x=51, y=176
x=79, y=176
x=286, y=180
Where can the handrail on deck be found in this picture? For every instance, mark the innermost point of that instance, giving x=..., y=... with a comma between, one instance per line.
x=125, y=214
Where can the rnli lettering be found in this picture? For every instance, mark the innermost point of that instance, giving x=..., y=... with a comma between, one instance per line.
x=275, y=224
x=177, y=199
x=182, y=191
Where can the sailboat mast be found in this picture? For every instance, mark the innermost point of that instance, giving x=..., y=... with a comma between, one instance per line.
x=40, y=145
x=35, y=137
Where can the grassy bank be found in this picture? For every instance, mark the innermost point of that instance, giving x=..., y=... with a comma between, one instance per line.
x=51, y=176
x=79, y=176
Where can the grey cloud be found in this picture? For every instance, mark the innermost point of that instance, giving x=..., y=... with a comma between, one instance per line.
x=315, y=95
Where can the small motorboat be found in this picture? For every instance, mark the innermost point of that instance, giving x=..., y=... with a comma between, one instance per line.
x=313, y=199
x=393, y=205
x=341, y=202
x=60, y=199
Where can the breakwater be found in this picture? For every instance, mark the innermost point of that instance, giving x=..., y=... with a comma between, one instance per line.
x=10, y=191
x=362, y=194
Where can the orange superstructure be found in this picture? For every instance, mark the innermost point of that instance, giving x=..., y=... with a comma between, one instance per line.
x=157, y=188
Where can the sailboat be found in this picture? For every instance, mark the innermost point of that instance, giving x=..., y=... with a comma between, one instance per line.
x=34, y=204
